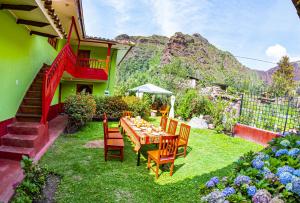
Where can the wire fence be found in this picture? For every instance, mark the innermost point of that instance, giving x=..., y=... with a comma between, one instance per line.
x=277, y=114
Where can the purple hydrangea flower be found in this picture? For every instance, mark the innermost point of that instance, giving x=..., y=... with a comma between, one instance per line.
x=257, y=163
x=228, y=191
x=251, y=190
x=281, y=152
x=261, y=196
x=276, y=200
x=241, y=179
x=284, y=169
x=215, y=196
x=285, y=177
x=294, y=152
x=285, y=134
x=296, y=186
x=210, y=184
x=285, y=143
x=215, y=180
x=297, y=172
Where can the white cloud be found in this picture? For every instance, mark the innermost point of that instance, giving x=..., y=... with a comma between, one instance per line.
x=276, y=51
x=174, y=16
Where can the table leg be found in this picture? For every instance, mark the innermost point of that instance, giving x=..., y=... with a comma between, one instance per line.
x=138, y=158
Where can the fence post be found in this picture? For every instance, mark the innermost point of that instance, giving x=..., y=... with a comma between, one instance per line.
x=241, y=106
x=287, y=115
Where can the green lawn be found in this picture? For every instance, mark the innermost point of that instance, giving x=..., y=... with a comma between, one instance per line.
x=86, y=177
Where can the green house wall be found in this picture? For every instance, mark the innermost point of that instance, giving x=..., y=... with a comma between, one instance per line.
x=21, y=57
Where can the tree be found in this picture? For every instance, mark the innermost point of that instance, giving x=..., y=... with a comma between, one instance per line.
x=283, y=79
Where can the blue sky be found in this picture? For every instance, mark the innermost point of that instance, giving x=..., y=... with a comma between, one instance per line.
x=263, y=29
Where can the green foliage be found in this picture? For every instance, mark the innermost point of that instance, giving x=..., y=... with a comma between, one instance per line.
x=192, y=104
x=80, y=109
x=283, y=78
x=139, y=107
x=31, y=187
x=113, y=106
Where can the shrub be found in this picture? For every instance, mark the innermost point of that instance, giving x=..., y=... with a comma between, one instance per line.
x=31, y=187
x=80, y=109
x=113, y=106
x=192, y=104
x=139, y=107
x=262, y=176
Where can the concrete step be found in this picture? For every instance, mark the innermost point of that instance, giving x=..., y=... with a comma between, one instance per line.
x=29, y=141
x=15, y=153
x=26, y=128
x=22, y=117
x=34, y=94
x=36, y=87
x=32, y=101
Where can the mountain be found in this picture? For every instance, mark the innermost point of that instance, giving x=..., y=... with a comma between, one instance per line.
x=170, y=62
x=267, y=75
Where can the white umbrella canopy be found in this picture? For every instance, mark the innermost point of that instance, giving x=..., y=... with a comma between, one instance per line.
x=150, y=88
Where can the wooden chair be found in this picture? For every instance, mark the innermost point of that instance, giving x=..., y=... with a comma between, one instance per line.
x=163, y=123
x=110, y=130
x=165, y=112
x=127, y=113
x=113, y=145
x=111, y=135
x=166, y=153
x=172, y=127
x=184, y=134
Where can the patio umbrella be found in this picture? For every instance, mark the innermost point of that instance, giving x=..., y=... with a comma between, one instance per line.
x=150, y=88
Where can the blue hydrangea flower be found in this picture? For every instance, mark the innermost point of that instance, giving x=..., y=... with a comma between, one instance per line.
x=265, y=170
x=262, y=156
x=251, y=190
x=298, y=142
x=257, y=163
x=210, y=184
x=281, y=152
x=285, y=169
x=296, y=186
x=297, y=172
x=285, y=177
x=228, y=191
x=289, y=186
x=285, y=134
x=294, y=152
x=241, y=179
x=215, y=180
x=285, y=143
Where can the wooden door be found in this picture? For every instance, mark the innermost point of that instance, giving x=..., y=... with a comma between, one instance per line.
x=83, y=58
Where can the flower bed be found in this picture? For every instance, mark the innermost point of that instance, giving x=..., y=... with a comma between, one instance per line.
x=270, y=176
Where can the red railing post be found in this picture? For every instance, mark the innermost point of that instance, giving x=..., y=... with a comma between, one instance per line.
x=108, y=57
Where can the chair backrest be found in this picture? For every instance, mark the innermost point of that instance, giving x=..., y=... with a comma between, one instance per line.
x=105, y=131
x=104, y=116
x=164, y=122
x=172, y=127
x=184, y=132
x=168, y=146
x=127, y=113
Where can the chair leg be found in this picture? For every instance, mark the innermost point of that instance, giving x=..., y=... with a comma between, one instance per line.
x=185, y=150
x=149, y=160
x=156, y=171
x=105, y=154
x=171, y=169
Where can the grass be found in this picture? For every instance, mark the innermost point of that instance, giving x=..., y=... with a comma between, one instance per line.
x=86, y=177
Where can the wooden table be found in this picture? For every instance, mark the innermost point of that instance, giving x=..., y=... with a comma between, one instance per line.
x=139, y=137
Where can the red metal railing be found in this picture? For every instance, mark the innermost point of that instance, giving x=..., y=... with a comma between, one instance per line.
x=65, y=60
x=91, y=63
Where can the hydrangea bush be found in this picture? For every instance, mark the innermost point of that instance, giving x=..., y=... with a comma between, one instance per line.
x=270, y=176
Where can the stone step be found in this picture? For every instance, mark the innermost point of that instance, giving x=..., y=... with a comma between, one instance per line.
x=29, y=141
x=21, y=117
x=15, y=153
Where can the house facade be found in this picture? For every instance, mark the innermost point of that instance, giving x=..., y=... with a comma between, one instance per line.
x=45, y=56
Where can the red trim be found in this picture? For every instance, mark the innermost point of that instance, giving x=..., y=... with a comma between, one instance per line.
x=54, y=111
x=256, y=135
x=4, y=124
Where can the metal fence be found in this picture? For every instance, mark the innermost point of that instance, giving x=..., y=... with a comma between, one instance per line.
x=277, y=114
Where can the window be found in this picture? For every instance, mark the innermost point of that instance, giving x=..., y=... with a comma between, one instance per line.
x=52, y=42
x=84, y=87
